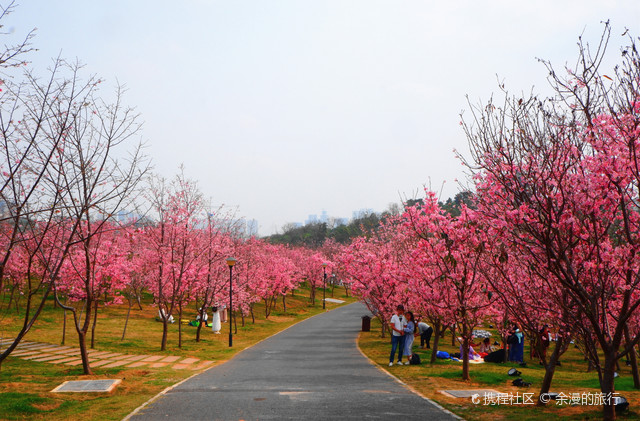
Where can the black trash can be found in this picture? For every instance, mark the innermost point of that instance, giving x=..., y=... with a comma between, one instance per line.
x=366, y=323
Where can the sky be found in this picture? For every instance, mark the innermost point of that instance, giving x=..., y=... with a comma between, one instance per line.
x=287, y=108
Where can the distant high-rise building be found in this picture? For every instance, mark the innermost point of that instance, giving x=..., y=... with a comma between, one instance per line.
x=362, y=212
x=324, y=217
x=252, y=228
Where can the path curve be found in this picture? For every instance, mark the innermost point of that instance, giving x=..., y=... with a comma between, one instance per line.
x=311, y=371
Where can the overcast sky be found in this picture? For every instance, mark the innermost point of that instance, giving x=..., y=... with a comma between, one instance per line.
x=286, y=108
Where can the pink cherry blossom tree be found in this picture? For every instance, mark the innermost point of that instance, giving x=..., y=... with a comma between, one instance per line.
x=175, y=247
x=60, y=173
x=95, y=186
x=374, y=267
x=453, y=254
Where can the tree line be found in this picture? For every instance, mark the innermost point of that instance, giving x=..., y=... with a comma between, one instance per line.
x=315, y=234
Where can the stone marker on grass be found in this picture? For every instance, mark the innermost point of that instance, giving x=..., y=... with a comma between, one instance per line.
x=470, y=393
x=333, y=300
x=88, y=386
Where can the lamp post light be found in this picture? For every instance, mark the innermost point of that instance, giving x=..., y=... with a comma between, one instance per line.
x=230, y=262
x=324, y=287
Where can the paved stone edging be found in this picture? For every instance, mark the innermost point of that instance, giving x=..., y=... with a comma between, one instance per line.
x=55, y=354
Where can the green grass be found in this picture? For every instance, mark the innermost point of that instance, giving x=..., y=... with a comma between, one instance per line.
x=25, y=385
x=487, y=378
x=12, y=402
x=429, y=380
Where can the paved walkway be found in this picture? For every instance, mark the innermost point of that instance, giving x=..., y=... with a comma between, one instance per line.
x=311, y=371
x=56, y=354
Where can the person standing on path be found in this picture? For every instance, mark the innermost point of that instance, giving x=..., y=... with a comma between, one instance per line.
x=425, y=334
x=215, y=320
x=397, y=335
x=223, y=313
x=409, y=332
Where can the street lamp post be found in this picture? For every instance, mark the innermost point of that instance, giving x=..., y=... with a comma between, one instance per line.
x=230, y=262
x=324, y=287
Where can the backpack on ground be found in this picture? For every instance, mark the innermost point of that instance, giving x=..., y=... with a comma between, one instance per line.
x=520, y=383
x=415, y=359
x=443, y=355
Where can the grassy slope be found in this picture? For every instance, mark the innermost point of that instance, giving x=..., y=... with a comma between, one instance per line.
x=25, y=385
x=446, y=375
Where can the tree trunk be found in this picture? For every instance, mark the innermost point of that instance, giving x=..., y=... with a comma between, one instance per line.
x=139, y=303
x=436, y=341
x=180, y=326
x=453, y=335
x=633, y=359
x=465, y=353
x=82, y=334
x=533, y=345
x=93, y=326
x=608, y=386
x=232, y=314
x=242, y=317
x=505, y=346
x=64, y=325
x=126, y=321
x=253, y=317
x=13, y=288
x=284, y=304
x=550, y=369
x=634, y=368
x=202, y=322
x=165, y=331
x=83, y=353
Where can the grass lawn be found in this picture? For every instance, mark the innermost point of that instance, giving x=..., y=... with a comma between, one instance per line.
x=25, y=385
x=571, y=377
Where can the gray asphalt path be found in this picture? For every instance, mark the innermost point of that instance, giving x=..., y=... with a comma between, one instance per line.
x=311, y=371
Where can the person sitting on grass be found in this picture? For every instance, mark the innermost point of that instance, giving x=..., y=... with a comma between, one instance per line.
x=485, y=348
x=205, y=317
x=473, y=355
x=161, y=315
x=397, y=334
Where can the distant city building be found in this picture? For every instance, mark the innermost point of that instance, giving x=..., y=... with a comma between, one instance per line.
x=4, y=209
x=362, y=212
x=126, y=216
x=244, y=227
x=251, y=228
x=324, y=218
